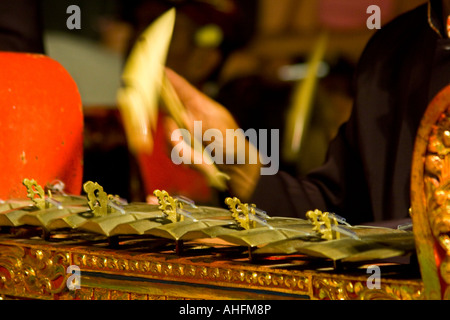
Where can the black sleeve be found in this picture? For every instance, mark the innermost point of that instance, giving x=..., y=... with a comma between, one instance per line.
x=21, y=26
x=366, y=174
x=338, y=186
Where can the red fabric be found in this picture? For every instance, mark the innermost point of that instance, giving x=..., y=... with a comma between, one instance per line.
x=448, y=26
x=159, y=172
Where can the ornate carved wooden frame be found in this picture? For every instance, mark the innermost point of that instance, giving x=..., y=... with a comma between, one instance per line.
x=430, y=196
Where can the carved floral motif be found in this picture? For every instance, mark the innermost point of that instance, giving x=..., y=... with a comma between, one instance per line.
x=342, y=288
x=29, y=271
x=437, y=189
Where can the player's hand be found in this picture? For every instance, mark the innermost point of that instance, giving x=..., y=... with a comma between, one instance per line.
x=199, y=107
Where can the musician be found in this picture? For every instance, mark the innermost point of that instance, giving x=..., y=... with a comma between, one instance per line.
x=366, y=177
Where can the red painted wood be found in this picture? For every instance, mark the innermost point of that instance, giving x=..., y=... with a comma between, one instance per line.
x=41, y=124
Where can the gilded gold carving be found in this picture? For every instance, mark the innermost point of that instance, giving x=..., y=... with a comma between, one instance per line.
x=40, y=272
x=340, y=288
x=97, y=198
x=193, y=272
x=35, y=193
x=101, y=294
x=85, y=293
x=323, y=222
x=190, y=271
x=32, y=272
x=169, y=206
x=242, y=212
x=445, y=273
x=137, y=296
x=119, y=295
x=437, y=188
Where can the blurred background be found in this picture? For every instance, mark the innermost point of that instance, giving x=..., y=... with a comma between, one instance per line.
x=250, y=55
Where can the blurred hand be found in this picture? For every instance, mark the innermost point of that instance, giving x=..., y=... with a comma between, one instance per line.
x=199, y=107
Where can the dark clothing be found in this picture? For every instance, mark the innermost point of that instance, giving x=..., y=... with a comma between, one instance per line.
x=366, y=176
x=21, y=26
